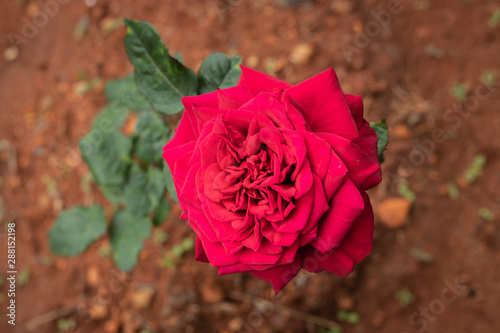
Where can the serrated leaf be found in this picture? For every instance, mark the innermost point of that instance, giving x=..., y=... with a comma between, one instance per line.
x=127, y=234
x=161, y=212
x=218, y=71
x=107, y=155
x=144, y=190
x=76, y=229
x=110, y=118
x=162, y=79
x=382, y=137
x=169, y=182
x=150, y=136
x=124, y=93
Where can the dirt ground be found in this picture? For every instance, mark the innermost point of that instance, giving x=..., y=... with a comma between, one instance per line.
x=437, y=272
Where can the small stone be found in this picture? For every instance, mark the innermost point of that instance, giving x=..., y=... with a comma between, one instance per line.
x=302, y=53
x=129, y=323
x=379, y=86
x=235, y=325
x=443, y=189
x=253, y=61
x=93, y=277
x=43, y=201
x=98, y=311
x=358, y=26
x=268, y=11
x=433, y=159
x=345, y=302
x=90, y=3
x=358, y=63
x=32, y=9
x=401, y=132
x=378, y=319
x=111, y=326
x=142, y=297
x=432, y=51
x=342, y=7
x=11, y=53
x=280, y=64
x=211, y=292
x=393, y=212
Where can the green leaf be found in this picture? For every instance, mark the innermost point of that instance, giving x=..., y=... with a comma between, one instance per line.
x=149, y=137
x=382, y=137
x=161, y=212
x=110, y=118
x=126, y=236
x=144, y=190
x=76, y=229
x=114, y=193
x=348, y=317
x=475, y=169
x=167, y=175
x=124, y=93
x=179, y=57
x=404, y=297
x=459, y=91
x=218, y=71
x=162, y=79
x=107, y=155
x=494, y=20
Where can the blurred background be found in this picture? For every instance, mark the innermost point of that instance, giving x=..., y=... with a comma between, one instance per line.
x=430, y=67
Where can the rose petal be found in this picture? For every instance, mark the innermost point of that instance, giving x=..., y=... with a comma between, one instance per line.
x=278, y=238
x=232, y=247
x=188, y=191
x=358, y=242
x=268, y=248
x=208, y=188
x=200, y=224
x=203, y=115
x=335, y=175
x=256, y=82
x=298, y=218
x=355, y=103
x=239, y=120
x=368, y=143
x=346, y=205
x=291, y=109
x=360, y=166
x=233, y=98
x=242, y=268
x=335, y=261
x=356, y=245
x=254, y=239
x=279, y=276
x=200, y=254
x=324, y=106
x=304, y=180
x=295, y=143
x=250, y=257
x=320, y=206
x=191, y=125
x=216, y=253
x=319, y=153
x=172, y=154
x=267, y=105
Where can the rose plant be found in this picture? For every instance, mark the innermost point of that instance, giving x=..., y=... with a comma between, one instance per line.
x=271, y=177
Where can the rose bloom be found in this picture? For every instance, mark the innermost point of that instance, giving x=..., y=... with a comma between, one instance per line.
x=272, y=177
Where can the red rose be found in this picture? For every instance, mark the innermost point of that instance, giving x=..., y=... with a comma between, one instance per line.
x=272, y=177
